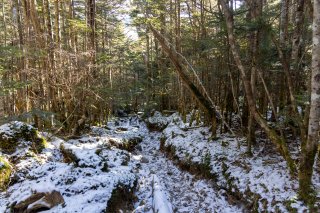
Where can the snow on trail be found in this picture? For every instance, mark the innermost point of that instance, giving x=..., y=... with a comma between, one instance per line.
x=183, y=191
x=100, y=165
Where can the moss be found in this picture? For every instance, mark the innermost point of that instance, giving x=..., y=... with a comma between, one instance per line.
x=5, y=173
x=32, y=134
x=225, y=143
x=38, y=143
x=9, y=143
x=98, y=151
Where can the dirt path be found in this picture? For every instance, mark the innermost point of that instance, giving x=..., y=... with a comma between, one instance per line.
x=182, y=190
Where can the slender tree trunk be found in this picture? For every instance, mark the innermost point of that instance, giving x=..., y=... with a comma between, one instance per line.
x=91, y=22
x=282, y=49
x=297, y=34
x=255, y=10
x=4, y=24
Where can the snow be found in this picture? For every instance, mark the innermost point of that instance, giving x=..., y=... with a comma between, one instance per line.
x=160, y=203
x=103, y=162
x=157, y=121
x=14, y=130
x=85, y=185
x=183, y=191
x=264, y=174
x=9, y=129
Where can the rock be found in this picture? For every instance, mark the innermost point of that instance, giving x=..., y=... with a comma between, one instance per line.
x=144, y=160
x=126, y=144
x=157, y=122
x=23, y=205
x=20, y=134
x=39, y=202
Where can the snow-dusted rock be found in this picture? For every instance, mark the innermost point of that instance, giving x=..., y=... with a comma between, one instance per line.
x=18, y=137
x=157, y=122
x=38, y=202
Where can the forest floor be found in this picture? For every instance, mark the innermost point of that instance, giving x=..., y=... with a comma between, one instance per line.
x=184, y=192
x=124, y=165
x=262, y=183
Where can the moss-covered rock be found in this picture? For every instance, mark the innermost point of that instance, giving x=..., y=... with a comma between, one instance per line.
x=5, y=173
x=20, y=134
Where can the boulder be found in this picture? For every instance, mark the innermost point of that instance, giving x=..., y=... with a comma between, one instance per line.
x=20, y=134
x=39, y=202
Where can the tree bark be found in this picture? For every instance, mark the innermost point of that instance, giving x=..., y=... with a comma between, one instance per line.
x=309, y=149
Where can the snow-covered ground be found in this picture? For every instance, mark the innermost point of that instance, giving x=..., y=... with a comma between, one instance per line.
x=183, y=191
x=88, y=170
x=262, y=181
x=95, y=168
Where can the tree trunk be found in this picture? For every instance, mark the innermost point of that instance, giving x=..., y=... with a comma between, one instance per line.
x=255, y=10
x=276, y=139
x=204, y=101
x=297, y=34
x=309, y=148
